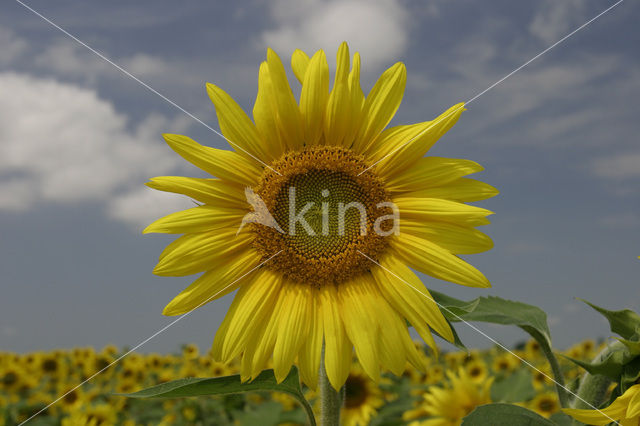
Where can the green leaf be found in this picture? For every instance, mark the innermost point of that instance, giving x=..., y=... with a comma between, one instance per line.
x=496, y=310
x=630, y=374
x=561, y=419
x=624, y=322
x=454, y=307
x=265, y=381
x=504, y=415
x=632, y=345
x=266, y=414
x=515, y=388
x=611, y=366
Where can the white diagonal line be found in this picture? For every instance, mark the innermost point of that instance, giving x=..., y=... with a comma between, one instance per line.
x=145, y=85
x=495, y=84
x=150, y=337
x=487, y=336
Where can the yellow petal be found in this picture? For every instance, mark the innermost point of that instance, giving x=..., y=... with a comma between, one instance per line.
x=429, y=209
x=313, y=98
x=633, y=409
x=356, y=308
x=193, y=253
x=381, y=104
x=226, y=165
x=265, y=113
x=406, y=293
x=293, y=327
x=237, y=127
x=398, y=147
x=337, y=118
x=214, y=284
x=338, y=348
x=261, y=343
x=210, y=191
x=197, y=219
x=251, y=308
x=451, y=237
x=288, y=117
x=299, y=64
x=432, y=171
x=463, y=190
x=392, y=346
x=357, y=101
x=309, y=356
x=590, y=417
x=431, y=259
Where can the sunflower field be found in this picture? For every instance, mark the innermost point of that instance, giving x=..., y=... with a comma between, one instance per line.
x=319, y=220
x=449, y=389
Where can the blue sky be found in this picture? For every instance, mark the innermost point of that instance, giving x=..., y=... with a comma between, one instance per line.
x=78, y=139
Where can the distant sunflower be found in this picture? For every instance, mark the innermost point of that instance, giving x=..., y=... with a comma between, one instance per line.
x=361, y=398
x=322, y=283
x=447, y=406
x=545, y=404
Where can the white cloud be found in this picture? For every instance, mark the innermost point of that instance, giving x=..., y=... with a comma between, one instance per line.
x=65, y=57
x=555, y=19
x=142, y=206
x=63, y=143
x=142, y=65
x=378, y=29
x=618, y=167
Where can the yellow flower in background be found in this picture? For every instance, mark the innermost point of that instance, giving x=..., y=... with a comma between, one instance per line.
x=477, y=370
x=545, y=404
x=362, y=397
x=447, y=406
x=505, y=363
x=344, y=282
x=95, y=415
x=625, y=410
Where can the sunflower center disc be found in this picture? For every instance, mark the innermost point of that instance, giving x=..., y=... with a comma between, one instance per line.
x=326, y=204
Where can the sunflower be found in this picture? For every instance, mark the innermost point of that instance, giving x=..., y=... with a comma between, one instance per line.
x=504, y=363
x=477, y=370
x=310, y=271
x=625, y=410
x=95, y=415
x=447, y=406
x=361, y=398
x=545, y=404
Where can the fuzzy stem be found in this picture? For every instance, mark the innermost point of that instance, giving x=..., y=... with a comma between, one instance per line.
x=563, y=394
x=330, y=399
x=593, y=388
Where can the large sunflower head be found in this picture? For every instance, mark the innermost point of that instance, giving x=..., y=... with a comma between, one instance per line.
x=337, y=208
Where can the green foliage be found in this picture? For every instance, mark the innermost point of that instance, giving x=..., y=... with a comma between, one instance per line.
x=504, y=415
x=265, y=381
x=514, y=388
x=269, y=413
x=626, y=323
x=610, y=366
x=496, y=310
x=630, y=374
x=561, y=419
x=622, y=361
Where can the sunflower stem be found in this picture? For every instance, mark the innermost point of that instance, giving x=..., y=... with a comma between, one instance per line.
x=593, y=387
x=330, y=399
x=563, y=394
